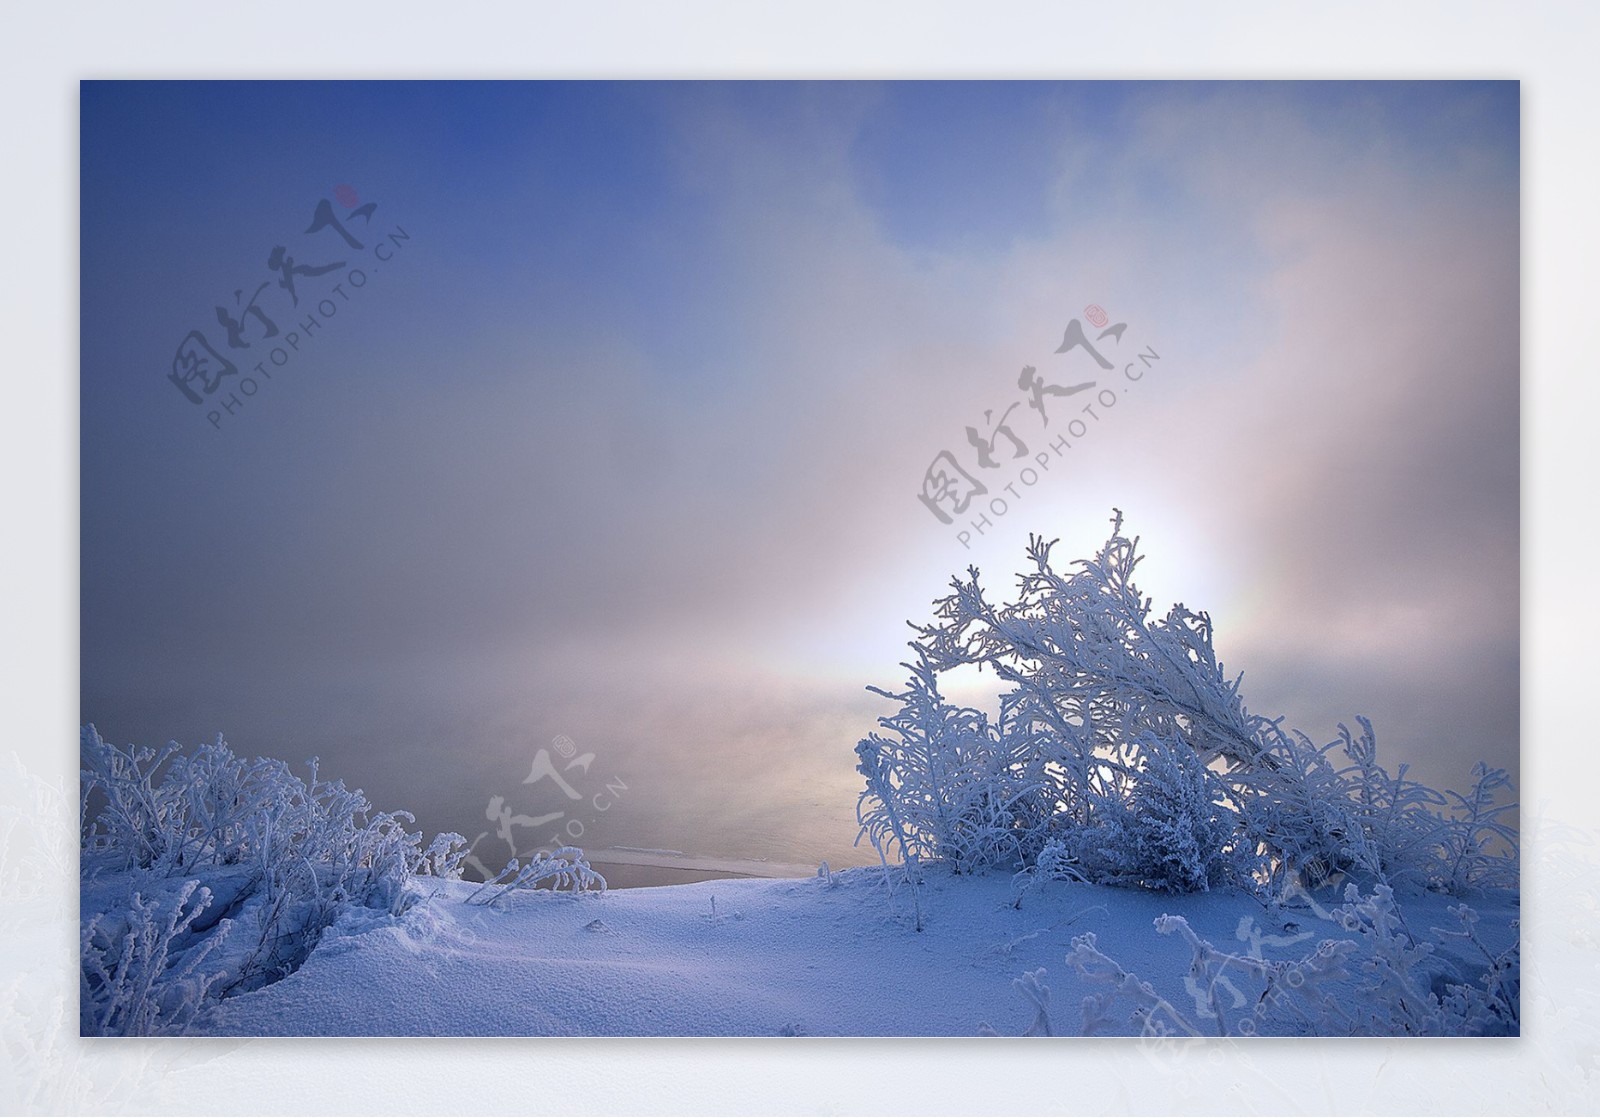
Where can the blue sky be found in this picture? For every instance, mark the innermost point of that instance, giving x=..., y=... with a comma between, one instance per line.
x=623, y=442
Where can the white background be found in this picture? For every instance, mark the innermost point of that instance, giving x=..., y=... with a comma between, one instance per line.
x=44, y=51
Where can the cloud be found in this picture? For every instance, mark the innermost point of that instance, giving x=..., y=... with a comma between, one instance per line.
x=625, y=497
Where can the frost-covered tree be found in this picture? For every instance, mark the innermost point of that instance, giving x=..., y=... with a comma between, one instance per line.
x=1125, y=754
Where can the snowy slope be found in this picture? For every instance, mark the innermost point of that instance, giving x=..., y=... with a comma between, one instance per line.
x=770, y=957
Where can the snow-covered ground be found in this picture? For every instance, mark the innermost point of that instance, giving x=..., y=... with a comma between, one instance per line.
x=809, y=956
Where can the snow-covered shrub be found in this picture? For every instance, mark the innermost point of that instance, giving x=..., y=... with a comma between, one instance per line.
x=168, y=811
x=944, y=784
x=1152, y=1014
x=1086, y=659
x=1479, y=850
x=1397, y=995
x=1394, y=993
x=1297, y=807
x=1497, y=1007
x=1030, y=984
x=1296, y=989
x=1401, y=827
x=1165, y=829
x=180, y=848
x=134, y=978
x=443, y=857
x=1105, y=741
x=1360, y=820
x=1053, y=863
x=1124, y=750
x=565, y=868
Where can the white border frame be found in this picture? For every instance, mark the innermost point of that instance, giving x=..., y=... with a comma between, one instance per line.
x=1549, y=47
